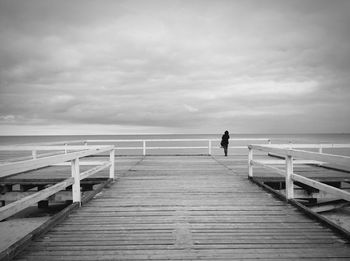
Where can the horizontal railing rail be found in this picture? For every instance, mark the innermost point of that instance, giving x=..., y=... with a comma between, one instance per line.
x=145, y=143
x=13, y=168
x=35, y=149
x=319, y=146
x=293, y=156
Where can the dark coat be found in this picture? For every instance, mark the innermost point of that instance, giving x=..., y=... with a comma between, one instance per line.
x=224, y=140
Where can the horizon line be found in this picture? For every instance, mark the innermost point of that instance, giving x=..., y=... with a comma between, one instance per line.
x=135, y=134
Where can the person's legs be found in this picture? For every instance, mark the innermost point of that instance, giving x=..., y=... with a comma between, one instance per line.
x=225, y=150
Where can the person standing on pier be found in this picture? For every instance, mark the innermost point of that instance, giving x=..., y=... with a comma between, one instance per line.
x=224, y=142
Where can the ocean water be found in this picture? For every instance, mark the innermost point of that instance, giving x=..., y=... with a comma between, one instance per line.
x=275, y=139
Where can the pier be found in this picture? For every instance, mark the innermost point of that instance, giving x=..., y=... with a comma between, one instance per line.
x=172, y=207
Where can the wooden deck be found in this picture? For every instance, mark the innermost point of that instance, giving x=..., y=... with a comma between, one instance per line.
x=187, y=208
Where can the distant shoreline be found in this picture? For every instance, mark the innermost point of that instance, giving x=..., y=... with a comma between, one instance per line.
x=179, y=134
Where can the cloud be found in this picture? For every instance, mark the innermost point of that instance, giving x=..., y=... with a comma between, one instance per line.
x=175, y=65
x=190, y=108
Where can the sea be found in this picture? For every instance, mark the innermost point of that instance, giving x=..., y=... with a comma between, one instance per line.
x=309, y=138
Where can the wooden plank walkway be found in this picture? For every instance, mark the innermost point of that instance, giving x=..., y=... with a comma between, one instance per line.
x=187, y=208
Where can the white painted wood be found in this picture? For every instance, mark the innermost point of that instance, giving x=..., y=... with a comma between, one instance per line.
x=144, y=147
x=289, y=181
x=22, y=166
x=61, y=143
x=115, y=141
x=237, y=147
x=166, y=140
x=312, y=157
x=250, y=163
x=144, y=141
x=81, y=163
x=94, y=170
x=193, y=147
x=308, y=146
x=277, y=170
x=34, y=154
x=43, y=148
x=12, y=196
x=76, y=185
x=112, y=162
x=321, y=186
x=330, y=158
x=130, y=148
x=176, y=147
x=295, y=162
x=25, y=202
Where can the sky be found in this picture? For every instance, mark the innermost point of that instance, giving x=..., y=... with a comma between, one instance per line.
x=128, y=67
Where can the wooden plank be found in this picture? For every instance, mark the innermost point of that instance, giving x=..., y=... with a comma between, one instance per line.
x=295, y=162
x=94, y=170
x=17, y=167
x=310, y=146
x=335, y=159
x=25, y=202
x=43, y=148
x=81, y=163
x=341, y=194
x=261, y=164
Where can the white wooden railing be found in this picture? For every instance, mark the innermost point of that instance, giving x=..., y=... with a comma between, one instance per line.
x=293, y=155
x=145, y=144
x=71, y=154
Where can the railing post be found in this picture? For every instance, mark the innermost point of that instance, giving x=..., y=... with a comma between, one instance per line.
x=250, y=165
x=34, y=154
x=112, y=167
x=320, y=149
x=144, y=148
x=76, y=185
x=289, y=181
x=209, y=147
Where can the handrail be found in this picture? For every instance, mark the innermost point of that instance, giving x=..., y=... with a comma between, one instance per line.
x=335, y=159
x=21, y=166
x=146, y=147
x=36, y=148
x=216, y=139
x=46, y=147
x=10, y=169
x=290, y=155
x=145, y=144
x=319, y=146
x=310, y=146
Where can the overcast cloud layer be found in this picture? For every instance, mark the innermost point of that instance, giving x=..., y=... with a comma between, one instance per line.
x=84, y=67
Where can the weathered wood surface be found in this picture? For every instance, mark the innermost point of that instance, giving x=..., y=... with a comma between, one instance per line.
x=187, y=208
